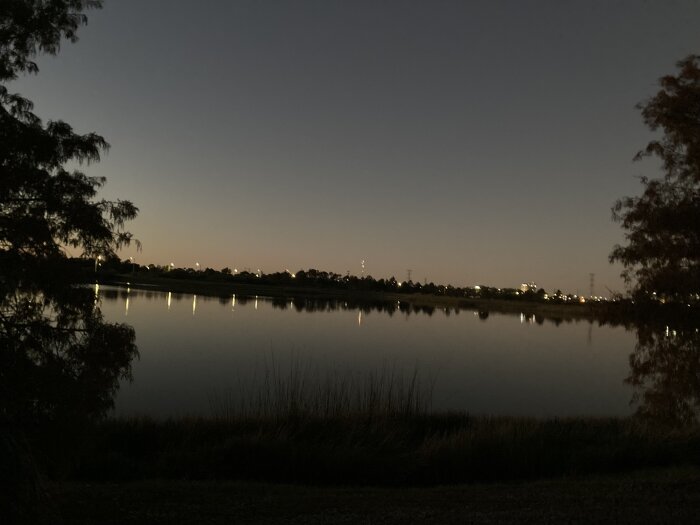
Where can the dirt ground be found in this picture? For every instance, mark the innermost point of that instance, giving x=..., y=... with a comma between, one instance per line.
x=657, y=496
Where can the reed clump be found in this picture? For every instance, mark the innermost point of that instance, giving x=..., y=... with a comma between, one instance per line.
x=298, y=426
x=300, y=390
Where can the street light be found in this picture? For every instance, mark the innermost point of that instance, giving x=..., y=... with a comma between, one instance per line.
x=97, y=262
x=131, y=260
x=197, y=265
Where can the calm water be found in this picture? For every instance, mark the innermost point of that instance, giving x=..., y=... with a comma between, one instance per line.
x=193, y=347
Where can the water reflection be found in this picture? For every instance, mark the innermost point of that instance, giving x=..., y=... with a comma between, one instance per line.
x=665, y=374
x=322, y=304
x=653, y=366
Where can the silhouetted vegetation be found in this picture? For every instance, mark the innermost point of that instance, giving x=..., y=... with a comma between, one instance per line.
x=113, y=270
x=378, y=448
x=299, y=427
x=60, y=363
x=662, y=255
x=665, y=373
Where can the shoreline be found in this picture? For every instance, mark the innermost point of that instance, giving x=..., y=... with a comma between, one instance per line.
x=588, y=312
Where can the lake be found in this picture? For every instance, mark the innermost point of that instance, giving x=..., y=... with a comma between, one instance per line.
x=195, y=348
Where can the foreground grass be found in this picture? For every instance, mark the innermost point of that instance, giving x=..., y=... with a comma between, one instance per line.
x=655, y=496
x=389, y=449
x=380, y=466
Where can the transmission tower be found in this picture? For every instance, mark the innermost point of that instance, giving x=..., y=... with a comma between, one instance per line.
x=592, y=276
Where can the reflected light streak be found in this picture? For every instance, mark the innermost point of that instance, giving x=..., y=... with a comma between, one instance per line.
x=256, y=302
x=170, y=296
x=359, y=318
x=233, y=302
x=126, y=305
x=194, y=304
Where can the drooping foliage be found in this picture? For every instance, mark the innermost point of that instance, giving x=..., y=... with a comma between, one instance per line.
x=662, y=254
x=60, y=362
x=49, y=328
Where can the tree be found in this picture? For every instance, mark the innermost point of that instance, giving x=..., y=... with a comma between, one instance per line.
x=662, y=226
x=60, y=362
x=665, y=375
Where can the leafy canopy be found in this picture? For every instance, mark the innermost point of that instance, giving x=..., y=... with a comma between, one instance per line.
x=59, y=360
x=662, y=226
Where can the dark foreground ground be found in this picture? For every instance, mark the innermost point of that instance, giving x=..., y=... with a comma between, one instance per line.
x=652, y=496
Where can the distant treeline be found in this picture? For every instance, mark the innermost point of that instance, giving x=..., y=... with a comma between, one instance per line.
x=313, y=278
x=640, y=307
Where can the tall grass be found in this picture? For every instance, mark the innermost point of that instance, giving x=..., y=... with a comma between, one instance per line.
x=382, y=450
x=295, y=424
x=301, y=390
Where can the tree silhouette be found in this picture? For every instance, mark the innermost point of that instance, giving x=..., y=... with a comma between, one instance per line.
x=663, y=225
x=60, y=363
x=665, y=375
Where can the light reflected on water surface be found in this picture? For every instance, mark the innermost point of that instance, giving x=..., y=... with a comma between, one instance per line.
x=485, y=363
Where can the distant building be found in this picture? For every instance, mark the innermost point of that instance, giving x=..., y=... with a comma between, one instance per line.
x=528, y=287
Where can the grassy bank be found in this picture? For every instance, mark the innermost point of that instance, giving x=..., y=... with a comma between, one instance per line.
x=378, y=450
x=294, y=424
x=301, y=448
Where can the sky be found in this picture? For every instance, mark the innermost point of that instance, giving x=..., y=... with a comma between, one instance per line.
x=469, y=142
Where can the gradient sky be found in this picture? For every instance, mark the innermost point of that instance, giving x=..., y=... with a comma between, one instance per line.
x=472, y=142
